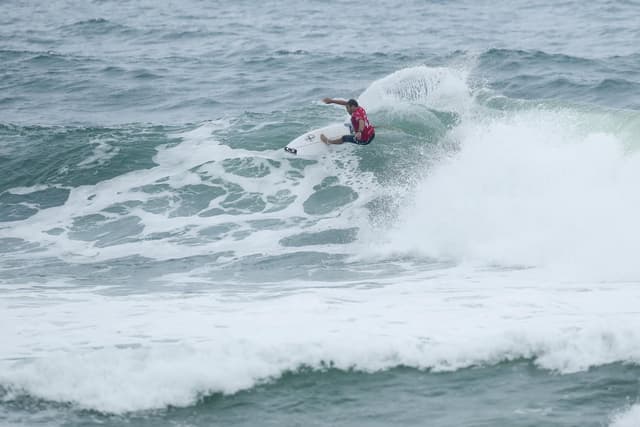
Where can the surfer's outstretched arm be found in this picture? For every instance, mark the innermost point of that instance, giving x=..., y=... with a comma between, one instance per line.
x=334, y=101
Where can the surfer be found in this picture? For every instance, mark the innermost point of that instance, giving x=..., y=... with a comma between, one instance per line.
x=363, y=132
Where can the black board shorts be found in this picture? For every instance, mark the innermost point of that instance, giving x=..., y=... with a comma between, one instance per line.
x=353, y=139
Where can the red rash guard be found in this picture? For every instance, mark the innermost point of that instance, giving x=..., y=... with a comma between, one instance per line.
x=368, y=130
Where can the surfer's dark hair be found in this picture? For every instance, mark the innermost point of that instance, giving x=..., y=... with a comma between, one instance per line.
x=352, y=102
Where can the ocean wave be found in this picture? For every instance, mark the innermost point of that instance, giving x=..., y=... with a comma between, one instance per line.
x=118, y=380
x=451, y=176
x=540, y=75
x=129, y=353
x=97, y=27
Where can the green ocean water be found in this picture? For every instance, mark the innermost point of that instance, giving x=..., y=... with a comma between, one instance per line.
x=164, y=262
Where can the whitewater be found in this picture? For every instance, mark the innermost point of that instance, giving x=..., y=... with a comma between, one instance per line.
x=163, y=261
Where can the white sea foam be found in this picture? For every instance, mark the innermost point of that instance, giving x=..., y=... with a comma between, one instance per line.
x=21, y=191
x=127, y=353
x=628, y=418
x=543, y=187
x=536, y=188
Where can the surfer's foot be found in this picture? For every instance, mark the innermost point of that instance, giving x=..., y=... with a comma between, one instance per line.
x=324, y=139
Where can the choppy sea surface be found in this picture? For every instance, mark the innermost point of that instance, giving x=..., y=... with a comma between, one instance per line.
x=164, y=262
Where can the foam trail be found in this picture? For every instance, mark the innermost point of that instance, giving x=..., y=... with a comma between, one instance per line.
x=194, y=165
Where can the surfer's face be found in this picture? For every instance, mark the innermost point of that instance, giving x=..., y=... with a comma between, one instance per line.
x=350, y=109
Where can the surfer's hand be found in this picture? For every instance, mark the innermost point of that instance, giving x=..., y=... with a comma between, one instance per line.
x=358, y=135
x=327, y=100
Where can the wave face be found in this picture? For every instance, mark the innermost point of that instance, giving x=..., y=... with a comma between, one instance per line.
x=164, y=262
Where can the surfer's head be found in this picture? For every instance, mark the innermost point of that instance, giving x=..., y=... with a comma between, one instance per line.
x=352, y=104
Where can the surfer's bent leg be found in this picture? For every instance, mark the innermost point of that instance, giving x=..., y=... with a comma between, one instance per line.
x=349, y=138
x=353, y=139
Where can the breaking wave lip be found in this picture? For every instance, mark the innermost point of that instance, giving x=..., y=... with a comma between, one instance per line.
x=138, y=379
x=434, y=87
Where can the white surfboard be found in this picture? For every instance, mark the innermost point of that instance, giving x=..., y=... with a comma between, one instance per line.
x=309, y=144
